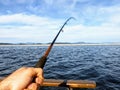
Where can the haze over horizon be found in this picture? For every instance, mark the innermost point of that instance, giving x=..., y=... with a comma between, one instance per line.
x=38, y=21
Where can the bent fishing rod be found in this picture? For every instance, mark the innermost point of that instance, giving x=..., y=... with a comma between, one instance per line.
x=41, y=62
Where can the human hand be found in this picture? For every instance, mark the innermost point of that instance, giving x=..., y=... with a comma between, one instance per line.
x=22, y=79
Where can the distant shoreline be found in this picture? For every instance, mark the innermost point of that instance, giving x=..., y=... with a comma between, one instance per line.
x=62, y=44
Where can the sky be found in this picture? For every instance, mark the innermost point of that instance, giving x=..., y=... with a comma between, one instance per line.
x=38, y=21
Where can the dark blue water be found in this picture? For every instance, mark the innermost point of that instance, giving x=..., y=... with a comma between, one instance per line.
x=98, y=63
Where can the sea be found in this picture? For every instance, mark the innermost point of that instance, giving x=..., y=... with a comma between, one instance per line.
x=99, y=63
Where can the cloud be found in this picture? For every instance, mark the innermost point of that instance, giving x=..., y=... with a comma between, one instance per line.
x=56, y=8
x=28, y=27
x=32, y=28
x=31, y=20
x=40, y=20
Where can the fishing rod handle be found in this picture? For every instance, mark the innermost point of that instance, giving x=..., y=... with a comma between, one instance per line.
x=41, y=62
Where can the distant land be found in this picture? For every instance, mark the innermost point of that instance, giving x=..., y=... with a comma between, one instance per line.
x=64, y=43
x=20, y=43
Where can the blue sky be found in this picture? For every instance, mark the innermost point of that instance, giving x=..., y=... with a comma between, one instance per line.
x=39, y=20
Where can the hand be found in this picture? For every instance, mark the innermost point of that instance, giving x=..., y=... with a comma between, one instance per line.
x=22, y=79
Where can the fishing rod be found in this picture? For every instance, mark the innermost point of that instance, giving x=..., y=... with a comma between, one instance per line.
x=41, y=62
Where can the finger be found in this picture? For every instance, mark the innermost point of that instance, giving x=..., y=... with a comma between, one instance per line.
x=39, y=76
x=36, y=73
x=39, y=71
x=39, y=80
x=33, y=86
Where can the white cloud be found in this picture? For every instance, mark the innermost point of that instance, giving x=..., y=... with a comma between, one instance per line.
x=43, y=29
x=93, y=23
x=35, y=28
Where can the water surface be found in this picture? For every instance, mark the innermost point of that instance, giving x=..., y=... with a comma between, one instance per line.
x=98, y=63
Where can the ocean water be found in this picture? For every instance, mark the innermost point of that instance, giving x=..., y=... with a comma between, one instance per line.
x=97, y=63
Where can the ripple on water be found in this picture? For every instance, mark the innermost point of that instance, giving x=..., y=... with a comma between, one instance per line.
x=98, y=63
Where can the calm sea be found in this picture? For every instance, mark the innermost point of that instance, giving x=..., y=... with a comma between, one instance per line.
x=97, y=63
